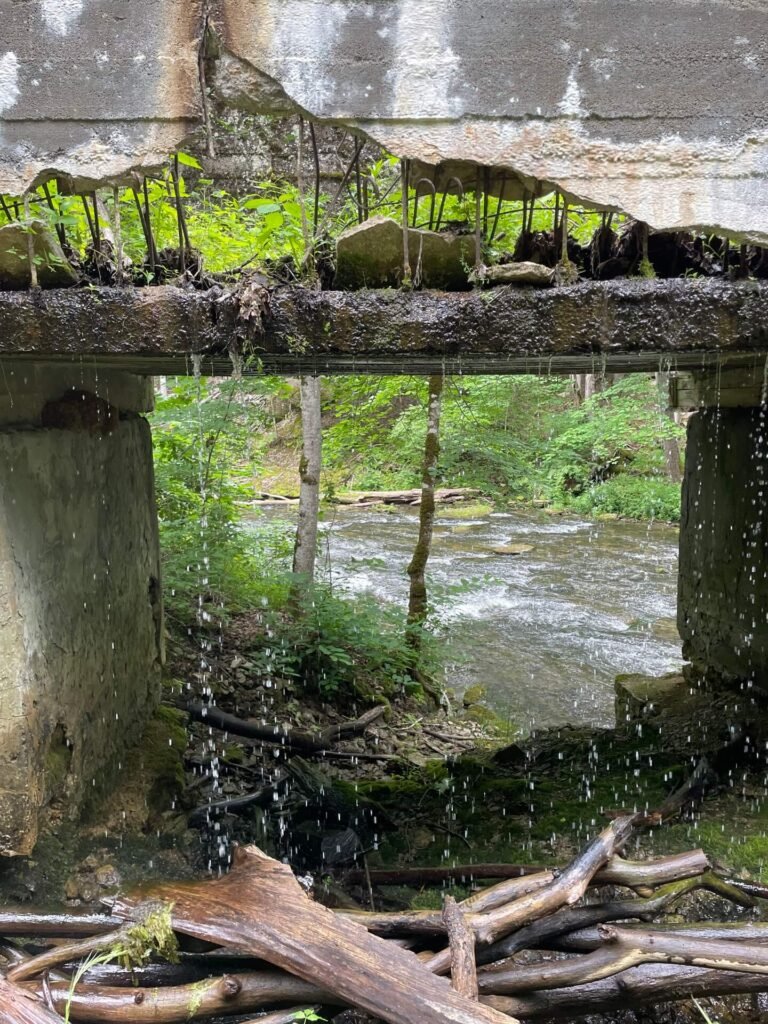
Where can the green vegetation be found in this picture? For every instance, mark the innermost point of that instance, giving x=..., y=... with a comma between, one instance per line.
x=514, y=438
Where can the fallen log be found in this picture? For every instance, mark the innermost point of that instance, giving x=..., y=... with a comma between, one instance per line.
x=617, y=871
x=639, y=986
x=231, y=994
x=462, y=946
x=282, y=735
x=261, y=909
x=18, y=1007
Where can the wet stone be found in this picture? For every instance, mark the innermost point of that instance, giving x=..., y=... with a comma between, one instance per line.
x=370, y=255
x=525, y=272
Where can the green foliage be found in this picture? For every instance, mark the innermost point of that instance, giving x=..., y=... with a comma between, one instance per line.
x=341, y=648
x=520, y=437
x=634, y=496
x=204, y=456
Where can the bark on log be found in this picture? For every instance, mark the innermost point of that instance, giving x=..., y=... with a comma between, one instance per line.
x=567, y=888
x=232, y=994
x=462, y=946
x=651, y=983
x=18, y=1007
x=260, y=908
x=297, y=739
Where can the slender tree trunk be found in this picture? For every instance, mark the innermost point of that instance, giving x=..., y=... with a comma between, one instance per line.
x=417, y=598
x=670, y=445
x=305, y=547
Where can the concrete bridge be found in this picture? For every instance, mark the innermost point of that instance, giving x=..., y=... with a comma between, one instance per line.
x=656, y=109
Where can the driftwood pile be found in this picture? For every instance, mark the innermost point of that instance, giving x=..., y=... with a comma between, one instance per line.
x=539, y=945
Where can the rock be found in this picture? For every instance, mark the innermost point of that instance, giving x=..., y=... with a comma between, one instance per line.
x=514, y=273
x=53, y=269
x=512, y=549
x=370, y=255
x=108, y=876
x=473, y=695
x=640, y=697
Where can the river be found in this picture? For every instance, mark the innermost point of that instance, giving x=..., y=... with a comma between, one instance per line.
x=545, y=632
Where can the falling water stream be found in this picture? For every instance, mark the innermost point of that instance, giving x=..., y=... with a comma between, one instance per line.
x=544, y=632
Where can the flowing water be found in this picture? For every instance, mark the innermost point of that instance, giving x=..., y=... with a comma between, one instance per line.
x=546, y=631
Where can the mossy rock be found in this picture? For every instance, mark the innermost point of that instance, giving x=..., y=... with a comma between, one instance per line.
x=473, y=695
x=472, y=510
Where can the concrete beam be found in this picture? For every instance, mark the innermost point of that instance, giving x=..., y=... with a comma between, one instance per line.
x=615, y=325
x=732, y=387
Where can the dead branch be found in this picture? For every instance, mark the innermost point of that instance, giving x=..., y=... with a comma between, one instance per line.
x=261, y=909
x=622, y=949
x=282, y=735
x=571, y=919
x=462, y=946
x=60, y=954
x=584, y=940
x=64, y=924
x=22, y=1007
x=616, y=872
x=650, y=983
x=567, y=888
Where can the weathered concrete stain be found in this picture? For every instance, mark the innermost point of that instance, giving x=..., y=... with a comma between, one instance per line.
x=91, y=90
x=655, y=108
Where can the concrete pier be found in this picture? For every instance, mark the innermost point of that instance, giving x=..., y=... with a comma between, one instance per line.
x=80, y=598
x=723, y=583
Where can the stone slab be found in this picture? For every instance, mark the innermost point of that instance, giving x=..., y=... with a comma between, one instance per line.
x=52, y=266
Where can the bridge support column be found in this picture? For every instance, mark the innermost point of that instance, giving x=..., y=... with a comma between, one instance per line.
x=723, y=584
x=80, y=600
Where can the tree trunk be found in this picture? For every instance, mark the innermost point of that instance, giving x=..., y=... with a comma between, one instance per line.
x=417, y=598
x=305, y=548
x=670, y=445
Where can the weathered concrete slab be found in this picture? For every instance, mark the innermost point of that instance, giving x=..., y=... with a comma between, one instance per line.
x=656, y=107
x=616, y=325
x=723, y=588
x=80, y=602
x=90, y=89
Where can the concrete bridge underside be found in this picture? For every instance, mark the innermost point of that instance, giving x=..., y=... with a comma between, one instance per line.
x=81, y=628
x=655, y=108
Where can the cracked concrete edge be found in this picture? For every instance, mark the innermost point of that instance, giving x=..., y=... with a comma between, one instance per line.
x=619, y=112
